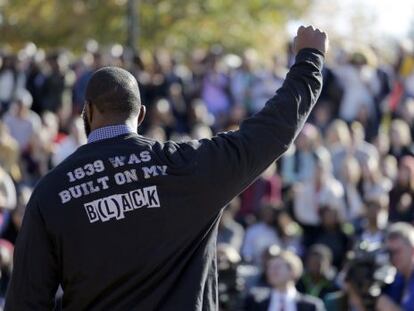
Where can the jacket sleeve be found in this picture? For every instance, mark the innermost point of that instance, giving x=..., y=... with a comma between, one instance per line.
x=229, y=162
x=35, y=274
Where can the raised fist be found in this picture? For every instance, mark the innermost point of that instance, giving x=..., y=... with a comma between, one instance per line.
x=309, y=37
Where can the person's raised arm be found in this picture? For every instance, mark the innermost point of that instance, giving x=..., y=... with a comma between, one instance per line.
x=274, y=128
x=224, y=165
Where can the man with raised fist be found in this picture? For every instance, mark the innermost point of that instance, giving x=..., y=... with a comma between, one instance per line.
x=129, y=223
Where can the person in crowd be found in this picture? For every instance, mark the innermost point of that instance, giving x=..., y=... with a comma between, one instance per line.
x=298, y=164
x=357, y=147
x=78, y=92
x=23, y=123
x=266, y=189
x=230, y=280
x=230, y=232
x=372, y=179
x=266, y=81
x=399, y=296
x=156, y=132
x=55, y=82
x=360, y=84
x=361, y=147
x=350, y=178
x=332, y=231
x=382, y=143
x=161, y=115
x=289, y=232
x=318, y=277
x=199, y=114
x=329, y=101
x=337, y=137
x=12, y=81
x=389, y=168
x=310, y=196
x=243, y=79
x=402, y=194
x=200, y=131
x=70, y=143
x=6, y=266
x=260, y=235
x=42, y=147
x=9, y=153
x=179, y=107
x=407, y=114
x=13, y=219
x=283, y=269
x=8, y=196
x=373, y=223
x=34, y=83
x=216, y=90
x=400, y=139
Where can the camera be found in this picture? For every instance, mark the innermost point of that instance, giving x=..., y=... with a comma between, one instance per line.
x=368, y=270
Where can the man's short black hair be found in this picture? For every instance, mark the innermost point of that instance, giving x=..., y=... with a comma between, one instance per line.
x=114, y=90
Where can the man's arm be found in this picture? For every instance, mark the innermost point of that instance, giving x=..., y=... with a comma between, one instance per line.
x=229, y=162
x=35, y=275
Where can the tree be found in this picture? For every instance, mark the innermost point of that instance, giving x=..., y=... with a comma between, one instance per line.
x=234, y=24
x=54, y=23
x=181, y=24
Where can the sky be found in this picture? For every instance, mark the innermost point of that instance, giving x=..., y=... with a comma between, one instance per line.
x=395, y=16
x=392, y=17
x=370, y=18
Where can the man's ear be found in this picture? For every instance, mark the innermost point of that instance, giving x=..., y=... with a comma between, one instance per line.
x=141, y=115
x=89, y=110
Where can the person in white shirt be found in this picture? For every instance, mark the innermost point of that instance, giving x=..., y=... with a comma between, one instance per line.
x=283, y=269
x=75, y=139
x=260, y=236
x=310, y=196
x=22, y=122
x=361, y=84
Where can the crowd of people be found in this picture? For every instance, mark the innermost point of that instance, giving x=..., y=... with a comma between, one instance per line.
x=342, y=196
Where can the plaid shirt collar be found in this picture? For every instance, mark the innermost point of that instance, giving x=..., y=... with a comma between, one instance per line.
x=109, y=132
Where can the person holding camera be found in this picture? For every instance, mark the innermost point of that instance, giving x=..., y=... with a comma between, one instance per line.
x=400, y=294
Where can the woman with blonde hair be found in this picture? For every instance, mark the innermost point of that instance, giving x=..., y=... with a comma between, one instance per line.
x=400, y=139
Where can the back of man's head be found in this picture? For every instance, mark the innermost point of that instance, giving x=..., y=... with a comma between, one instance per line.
x=113, y=90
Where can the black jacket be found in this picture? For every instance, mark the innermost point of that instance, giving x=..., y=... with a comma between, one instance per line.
x=129, y=223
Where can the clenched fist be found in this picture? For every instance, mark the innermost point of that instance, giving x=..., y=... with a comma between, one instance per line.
x=309, y=37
